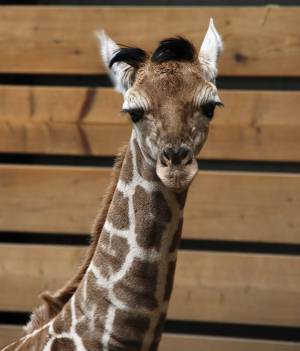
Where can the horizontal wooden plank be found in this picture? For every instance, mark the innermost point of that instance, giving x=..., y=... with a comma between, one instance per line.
x=259, y=41
x=222, y=287
x=175, y=342
x=221, y=205
x=254, y=125
x=241, y=288
x=8, y=334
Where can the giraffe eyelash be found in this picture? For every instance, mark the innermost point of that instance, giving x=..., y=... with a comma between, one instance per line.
x=208, y=108
x=136, y=114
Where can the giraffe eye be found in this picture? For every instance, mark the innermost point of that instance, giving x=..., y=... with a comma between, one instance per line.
x=135, y=114
x=209, y=109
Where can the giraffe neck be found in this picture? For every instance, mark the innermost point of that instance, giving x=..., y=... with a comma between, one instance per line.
x=122, y=301
x=129, y=281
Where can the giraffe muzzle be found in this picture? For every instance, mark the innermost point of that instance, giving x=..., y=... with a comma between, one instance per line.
x=176, y=156
x=176, y=167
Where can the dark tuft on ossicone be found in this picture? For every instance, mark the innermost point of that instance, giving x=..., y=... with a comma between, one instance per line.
x=134, y=57
x=174, y=49
x=171, y=49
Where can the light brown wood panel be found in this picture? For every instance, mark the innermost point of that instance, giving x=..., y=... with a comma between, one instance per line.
x=173, y=342
x=76, y=121
x=254, y=125
x=259, y=41
x=8, y=334
x=220, y=205
x=176, y=342
x=242, y=288
x=223, y=287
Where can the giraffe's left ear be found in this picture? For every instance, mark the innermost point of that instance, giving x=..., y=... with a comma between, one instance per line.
x=210, y=51
x=121, y=63
x=120, y=72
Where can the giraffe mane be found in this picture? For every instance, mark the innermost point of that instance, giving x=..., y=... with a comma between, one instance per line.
x=54, y=302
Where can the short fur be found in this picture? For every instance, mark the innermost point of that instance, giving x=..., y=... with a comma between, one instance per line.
x=54, y=302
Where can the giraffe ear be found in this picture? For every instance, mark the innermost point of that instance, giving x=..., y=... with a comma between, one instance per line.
x=210, y=51
x=121, y=63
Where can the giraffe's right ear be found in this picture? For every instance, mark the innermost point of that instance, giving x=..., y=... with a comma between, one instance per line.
x=121, y=63
x=210, y=51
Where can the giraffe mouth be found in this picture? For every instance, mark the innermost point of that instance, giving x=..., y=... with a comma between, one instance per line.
x=177, y=177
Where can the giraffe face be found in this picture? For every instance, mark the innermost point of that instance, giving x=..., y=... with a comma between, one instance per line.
x=170, y=97
x=171, y=106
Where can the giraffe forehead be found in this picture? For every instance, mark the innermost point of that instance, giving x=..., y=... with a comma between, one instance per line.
x=166, y=97
x=169, y=78
x=169, y=83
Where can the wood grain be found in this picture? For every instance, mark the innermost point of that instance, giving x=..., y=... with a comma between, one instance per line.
x=259, y=41
x=176, y=342
x=221, y=205
x=8, y=334
x=173, y=342
x=254, y=125
x=222, y=287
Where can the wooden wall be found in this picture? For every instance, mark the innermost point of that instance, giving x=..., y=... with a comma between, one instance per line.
x=238, y=279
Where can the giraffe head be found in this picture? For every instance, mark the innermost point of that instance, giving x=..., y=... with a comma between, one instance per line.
x=170, y=96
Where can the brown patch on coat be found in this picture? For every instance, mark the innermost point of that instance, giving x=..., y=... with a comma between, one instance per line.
x=127, y=168
x=64, y=344
x=137, y=288
x=151, y=214
x=80, y=304
x=118, y=212
x=96, y=292
x=149, y=233
x=144, y=170
x=62, y=322
x=97, y=296
x=92, y=344
x=128, y=331
x=111, y=253
x=162, y=211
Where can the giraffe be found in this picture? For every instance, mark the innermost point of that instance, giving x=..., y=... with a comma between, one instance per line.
x=120, y=298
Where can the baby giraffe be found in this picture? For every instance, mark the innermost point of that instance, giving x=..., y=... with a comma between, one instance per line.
x=121, y=300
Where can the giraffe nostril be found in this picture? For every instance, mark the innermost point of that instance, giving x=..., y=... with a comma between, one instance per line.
x=165, y=158
x=183, y=153
x=189, y=161
x=167, y=154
